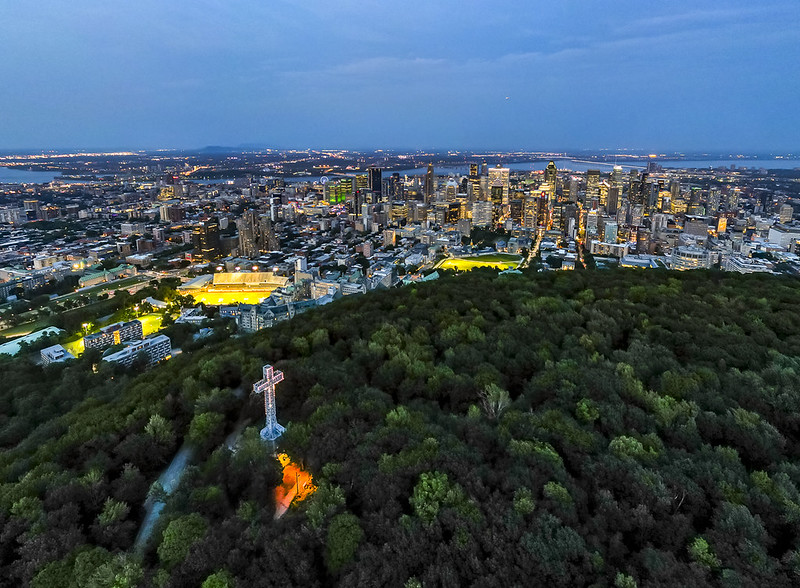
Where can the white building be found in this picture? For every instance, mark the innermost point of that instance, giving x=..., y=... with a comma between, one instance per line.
x=784, y=235
x=689, y=257
x=157, y=349
x=745, y=265
x=55, y=354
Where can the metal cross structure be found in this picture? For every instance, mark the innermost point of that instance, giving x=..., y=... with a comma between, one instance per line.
x=272, y=430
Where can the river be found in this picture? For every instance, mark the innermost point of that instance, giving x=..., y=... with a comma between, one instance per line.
x=10, y=175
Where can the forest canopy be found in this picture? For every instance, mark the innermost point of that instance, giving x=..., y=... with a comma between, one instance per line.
x=618, y=428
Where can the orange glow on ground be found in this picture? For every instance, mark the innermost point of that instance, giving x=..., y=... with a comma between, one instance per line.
x=297, y=485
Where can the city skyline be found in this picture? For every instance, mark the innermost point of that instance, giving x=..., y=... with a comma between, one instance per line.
x=574, y=75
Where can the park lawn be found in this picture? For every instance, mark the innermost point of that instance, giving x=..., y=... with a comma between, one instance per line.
x=151, y=323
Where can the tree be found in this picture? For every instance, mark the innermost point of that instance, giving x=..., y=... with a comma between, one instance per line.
x=113, y=511
x=344, y=536
x=178, y=538
x=702, y=553
x=495, y=400
x=219, y=580
x=206, y=428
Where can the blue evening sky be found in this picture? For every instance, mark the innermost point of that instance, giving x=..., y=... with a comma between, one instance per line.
x=563, y=74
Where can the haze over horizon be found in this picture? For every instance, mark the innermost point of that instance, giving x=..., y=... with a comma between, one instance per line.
x=682, y=76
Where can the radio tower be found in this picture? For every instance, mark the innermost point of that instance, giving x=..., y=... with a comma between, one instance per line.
x=272, y=430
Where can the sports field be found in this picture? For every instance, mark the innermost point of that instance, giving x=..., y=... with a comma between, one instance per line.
x=222, y=297
x=500, y=261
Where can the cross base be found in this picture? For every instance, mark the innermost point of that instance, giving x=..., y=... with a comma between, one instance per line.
x=272, y=433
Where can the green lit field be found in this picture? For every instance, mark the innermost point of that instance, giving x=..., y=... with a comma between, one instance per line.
x=222, y=297
x=151, y=323
x=500, y=261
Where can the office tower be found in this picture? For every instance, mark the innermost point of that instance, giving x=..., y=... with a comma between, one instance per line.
x=622, y=212
x=591, y=222
x=573, y=188
x=638, y=191
x=644, y=195
x=484, y=169
x=517, y=210
x=633, y=183
x=559, y=218
x=592, y=184
x=207, y=239
x=785, y=213
x=482, y=214
x=617, y=178
x=675, y=190
x=452, y=212
x=268, y=238
x=714, y=200
x=247, y=227
x=551, y=174
x=636, y=213
x=395, y=187
x=451, y=189
x=430, y=184
x=733, y=199
x=543, y=217
x=610, y=229
x=375, y=179
x=496, y=192
x=612, y=202
x=474, y=183
x=604, y=187
x=663, y=201
x=658, y=222
x=256, y=235
x=530, y=211
x=501, y=175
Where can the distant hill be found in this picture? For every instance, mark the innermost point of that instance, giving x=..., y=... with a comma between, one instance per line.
x=615, y=428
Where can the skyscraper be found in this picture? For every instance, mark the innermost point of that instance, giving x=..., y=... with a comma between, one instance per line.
x=396, y=187
x=551, y=174
x=612, y=202
x=617, y=176
x=500, y=174
x=430, y=184
x=208, y=239
x=451, y=189
x=592, y=184
x=256, y=235
x=375, y=179
x=474, y=181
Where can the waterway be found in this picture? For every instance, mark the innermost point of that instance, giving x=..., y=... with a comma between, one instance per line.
x=15, y=175
x=577, y=165
x=10, y=175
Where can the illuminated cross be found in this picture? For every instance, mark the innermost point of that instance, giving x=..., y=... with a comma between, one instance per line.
x=272, y=430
